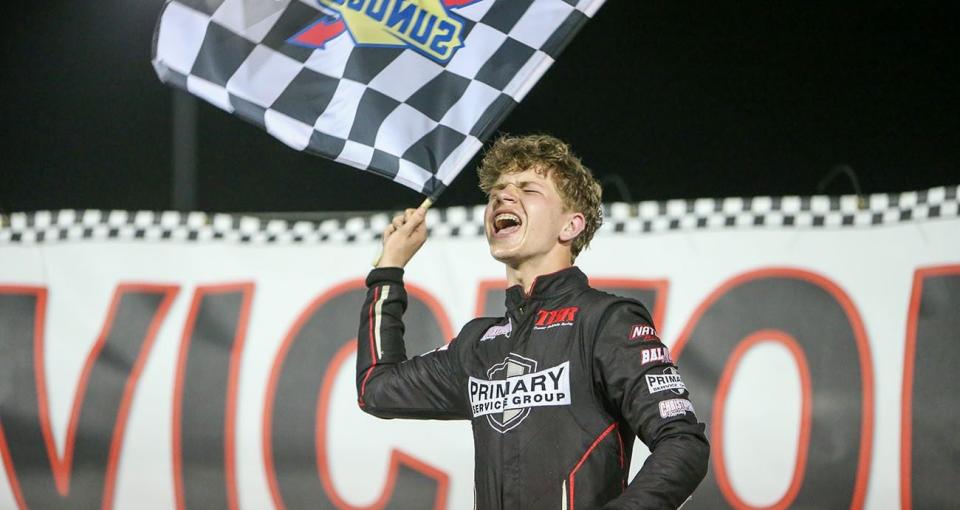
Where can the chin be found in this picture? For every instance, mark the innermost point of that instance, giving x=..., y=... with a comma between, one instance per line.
x=505, y=254
x=500, y=254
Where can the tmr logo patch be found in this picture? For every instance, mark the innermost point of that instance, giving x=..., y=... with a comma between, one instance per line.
x=547, y=319
x=668, y=380
x=515, y=386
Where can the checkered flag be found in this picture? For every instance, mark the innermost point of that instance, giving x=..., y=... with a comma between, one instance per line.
x=407, y=89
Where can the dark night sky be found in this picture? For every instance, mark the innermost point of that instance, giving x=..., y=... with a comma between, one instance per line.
x=680, y=99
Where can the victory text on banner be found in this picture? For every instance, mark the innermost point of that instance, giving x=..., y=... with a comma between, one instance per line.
x=165, y=360
x=407, y=89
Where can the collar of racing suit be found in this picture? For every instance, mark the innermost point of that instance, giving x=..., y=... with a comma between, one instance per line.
x=547, y=285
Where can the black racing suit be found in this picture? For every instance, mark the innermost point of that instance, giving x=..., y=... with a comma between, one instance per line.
x=556, y=391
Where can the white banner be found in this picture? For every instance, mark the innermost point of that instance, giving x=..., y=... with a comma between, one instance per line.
x=161, y=361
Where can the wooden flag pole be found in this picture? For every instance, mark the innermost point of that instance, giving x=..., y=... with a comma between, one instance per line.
x=427, y=202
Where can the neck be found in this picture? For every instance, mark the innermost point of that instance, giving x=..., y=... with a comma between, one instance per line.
x=526, y=272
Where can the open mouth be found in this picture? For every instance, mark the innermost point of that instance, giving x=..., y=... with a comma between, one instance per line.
x=506, y=223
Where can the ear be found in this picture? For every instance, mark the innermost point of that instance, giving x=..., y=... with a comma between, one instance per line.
x=575, y=224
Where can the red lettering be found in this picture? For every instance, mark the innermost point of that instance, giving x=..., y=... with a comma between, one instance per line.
x=551, y=317
x=928, y=468
x=542, y=317
x=296, y=414
x=205, y=396
x=719, y=404
x=104, y=395
x=833, y=458
x=567, y=314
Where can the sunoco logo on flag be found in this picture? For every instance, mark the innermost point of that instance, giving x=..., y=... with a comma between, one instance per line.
x=427, y=26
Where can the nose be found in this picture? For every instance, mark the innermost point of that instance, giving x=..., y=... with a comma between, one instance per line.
x=507, y=193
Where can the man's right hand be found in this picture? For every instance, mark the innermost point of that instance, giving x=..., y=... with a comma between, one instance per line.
x=403, y=238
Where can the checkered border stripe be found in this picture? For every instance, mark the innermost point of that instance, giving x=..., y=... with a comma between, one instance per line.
x=813, y=212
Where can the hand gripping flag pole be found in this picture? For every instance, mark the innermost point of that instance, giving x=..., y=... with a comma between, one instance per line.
x=406, y=89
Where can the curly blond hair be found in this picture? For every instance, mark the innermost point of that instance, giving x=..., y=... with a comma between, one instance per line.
x=578, y=188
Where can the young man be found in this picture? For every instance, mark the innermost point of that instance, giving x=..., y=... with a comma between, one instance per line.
x=558, y=388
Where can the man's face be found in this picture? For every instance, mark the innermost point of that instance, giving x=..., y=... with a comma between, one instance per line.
x=524, y=216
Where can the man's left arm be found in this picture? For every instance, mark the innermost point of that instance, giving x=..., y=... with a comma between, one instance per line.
x=638, y=378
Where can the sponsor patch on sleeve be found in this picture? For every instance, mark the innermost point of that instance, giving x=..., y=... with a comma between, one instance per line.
x=495, y=331
x=668, y=380
x=655, y=355
x=644, y=333
x=675, y=407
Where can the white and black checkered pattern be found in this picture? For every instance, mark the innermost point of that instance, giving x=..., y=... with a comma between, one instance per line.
x=783, y=212
x=388, y=110
x=791, y=212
